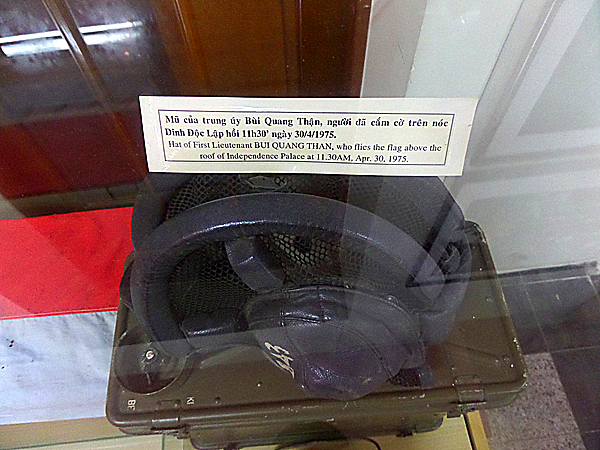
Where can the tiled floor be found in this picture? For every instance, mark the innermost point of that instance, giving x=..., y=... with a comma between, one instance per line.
x=540, y=418
x=557, y=316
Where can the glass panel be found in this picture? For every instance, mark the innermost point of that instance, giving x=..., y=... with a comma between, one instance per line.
x=260, y=309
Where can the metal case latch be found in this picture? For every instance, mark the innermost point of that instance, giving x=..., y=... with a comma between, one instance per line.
x=167, y=415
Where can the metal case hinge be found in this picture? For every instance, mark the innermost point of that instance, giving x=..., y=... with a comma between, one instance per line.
x=470, y=393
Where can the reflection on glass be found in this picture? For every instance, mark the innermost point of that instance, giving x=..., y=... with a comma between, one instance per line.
x=51, y=41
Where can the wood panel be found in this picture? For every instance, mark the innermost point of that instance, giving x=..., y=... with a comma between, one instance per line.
x=244, y=46
x=177, y=26
x=308, y=48
x=22, y=160
x=334, y=36
x=62, y=17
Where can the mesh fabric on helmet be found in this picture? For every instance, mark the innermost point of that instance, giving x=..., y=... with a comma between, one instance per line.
x=365, y=192
x=205, y=280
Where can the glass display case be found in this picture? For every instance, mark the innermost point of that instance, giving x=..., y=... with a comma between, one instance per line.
x=348, y=298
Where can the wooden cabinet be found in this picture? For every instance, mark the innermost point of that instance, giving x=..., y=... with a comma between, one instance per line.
x=72, y=71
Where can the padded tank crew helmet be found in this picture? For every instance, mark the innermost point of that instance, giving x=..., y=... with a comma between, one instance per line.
x=342, y=281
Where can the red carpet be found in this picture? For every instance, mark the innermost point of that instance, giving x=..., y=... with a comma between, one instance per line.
x=63, y=263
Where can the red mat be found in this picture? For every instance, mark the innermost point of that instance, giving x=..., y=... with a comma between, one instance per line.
x=62, y=264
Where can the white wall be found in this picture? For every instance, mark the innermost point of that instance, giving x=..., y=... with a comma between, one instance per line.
x=394, y=31
x=532, y=178
x=532, y=175
x=459, y=45
x=434, y=48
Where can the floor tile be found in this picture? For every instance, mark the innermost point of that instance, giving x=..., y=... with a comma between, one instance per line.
x=591, y=440
x=568, y=312
x=579, y=372
x=540, y=412
x=528, y=330
x=570, y=441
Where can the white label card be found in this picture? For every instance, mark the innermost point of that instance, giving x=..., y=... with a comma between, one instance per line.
x=353, y=136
